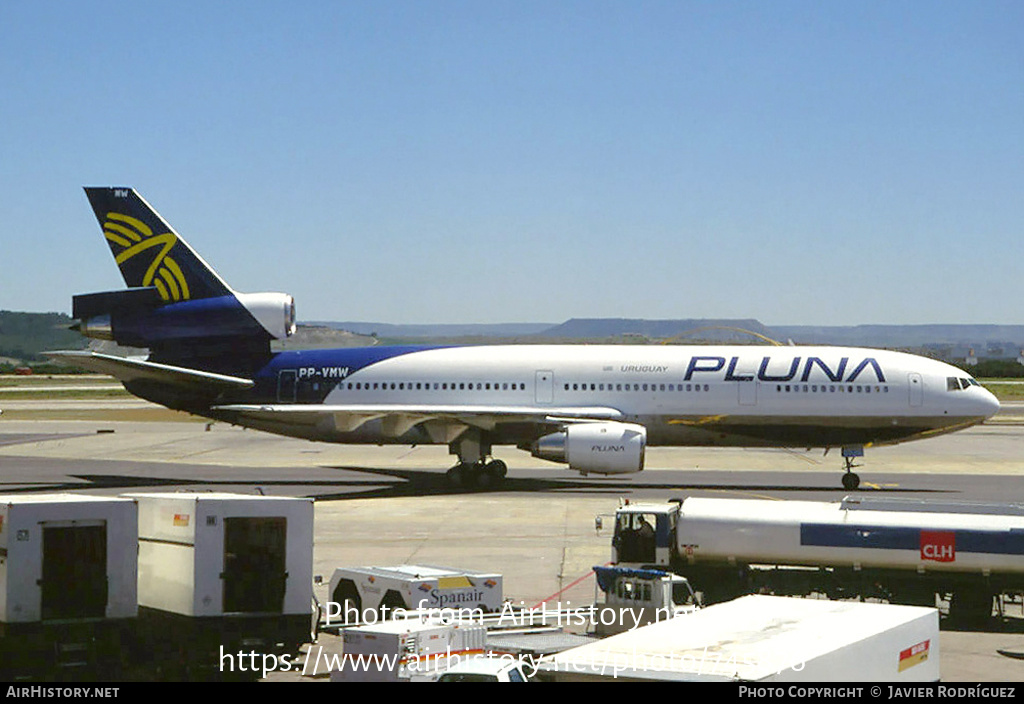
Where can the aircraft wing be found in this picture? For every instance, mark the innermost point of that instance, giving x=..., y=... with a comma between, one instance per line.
x=127, y=371
x=442, y=421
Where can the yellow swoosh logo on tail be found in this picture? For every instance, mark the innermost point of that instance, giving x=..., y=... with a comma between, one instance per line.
x=136, y=237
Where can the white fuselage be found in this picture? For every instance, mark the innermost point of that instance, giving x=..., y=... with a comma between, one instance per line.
x=703, y=395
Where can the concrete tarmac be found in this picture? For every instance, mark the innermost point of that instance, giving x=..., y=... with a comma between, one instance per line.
x=390, y=505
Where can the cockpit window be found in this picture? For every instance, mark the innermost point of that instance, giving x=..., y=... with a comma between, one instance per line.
x=956, y=384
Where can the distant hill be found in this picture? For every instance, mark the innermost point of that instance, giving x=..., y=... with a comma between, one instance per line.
x=702, y=328
x=318, y=337
x=24, y=335
x=979, y=336
x=951, y=340
x=439, y=330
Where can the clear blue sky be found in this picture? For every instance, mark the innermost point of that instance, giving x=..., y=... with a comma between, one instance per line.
x=796, y=162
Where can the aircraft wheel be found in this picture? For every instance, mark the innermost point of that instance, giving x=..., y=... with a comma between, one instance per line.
x=498, y=468
x=485, y=479
x=851, y=481
x=456, y=476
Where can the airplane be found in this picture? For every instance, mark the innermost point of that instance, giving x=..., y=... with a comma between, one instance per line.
x=595, y=408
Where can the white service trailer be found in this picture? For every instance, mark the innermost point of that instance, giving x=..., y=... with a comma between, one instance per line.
x=219, y=570
x=370, y=594
x=68, y=567
x=766, y=639
x=407, y=650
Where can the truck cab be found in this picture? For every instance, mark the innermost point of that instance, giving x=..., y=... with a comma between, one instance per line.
x=637, y=597
x=644, y=534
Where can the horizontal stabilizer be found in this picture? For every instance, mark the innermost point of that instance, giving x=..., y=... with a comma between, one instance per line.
x=128, y=371
x=131, y=300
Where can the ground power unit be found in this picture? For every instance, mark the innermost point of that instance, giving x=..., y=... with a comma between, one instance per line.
x=67, y=583
x=221, y=574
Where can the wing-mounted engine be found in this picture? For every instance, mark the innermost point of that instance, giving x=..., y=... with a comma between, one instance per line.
x=596, y=448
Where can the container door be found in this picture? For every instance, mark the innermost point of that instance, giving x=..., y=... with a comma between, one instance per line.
x=254, y=564
x=74, y=583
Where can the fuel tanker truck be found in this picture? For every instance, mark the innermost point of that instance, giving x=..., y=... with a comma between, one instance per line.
x=902, y=550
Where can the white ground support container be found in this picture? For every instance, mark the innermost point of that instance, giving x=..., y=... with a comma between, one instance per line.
x=211, y=554
x=767, y=639
x=68, y=569
x=229, y=571
x=371, y=594
x=407, y=650
x=67, y=556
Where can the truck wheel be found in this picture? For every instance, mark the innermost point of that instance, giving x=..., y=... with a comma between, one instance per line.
x=392, y=600
x=347, y=595
x=969, y=607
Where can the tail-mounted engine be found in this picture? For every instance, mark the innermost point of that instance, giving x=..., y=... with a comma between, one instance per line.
x=224, y=334
x=140, y=318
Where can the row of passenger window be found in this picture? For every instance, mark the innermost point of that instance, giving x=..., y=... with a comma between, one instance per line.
x=435, y=386
x=831, y=388
x=637, y=387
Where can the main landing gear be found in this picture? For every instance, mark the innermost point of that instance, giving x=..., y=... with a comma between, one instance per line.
x=851, y=480
x=476, y=467
x=485, y=474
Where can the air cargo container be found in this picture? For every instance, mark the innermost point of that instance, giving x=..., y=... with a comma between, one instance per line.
x=222, y=574
x=67, y=582
x=903, y=550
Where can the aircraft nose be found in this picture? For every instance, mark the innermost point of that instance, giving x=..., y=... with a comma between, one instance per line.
x=989, y=403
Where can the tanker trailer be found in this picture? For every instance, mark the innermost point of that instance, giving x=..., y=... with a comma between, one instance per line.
x=905, y=551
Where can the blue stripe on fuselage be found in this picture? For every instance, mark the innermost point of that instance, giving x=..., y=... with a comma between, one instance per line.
x=333, y=364
x=995, y=542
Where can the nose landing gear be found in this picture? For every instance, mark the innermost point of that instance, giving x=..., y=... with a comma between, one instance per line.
x=851, y=480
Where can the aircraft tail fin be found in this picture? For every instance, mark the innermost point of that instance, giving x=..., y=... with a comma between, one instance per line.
x=175, y=305
x=148, y=251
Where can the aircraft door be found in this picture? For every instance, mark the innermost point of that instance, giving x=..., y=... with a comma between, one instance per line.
x=286, y=386
x=545, y=385
x=916, y=386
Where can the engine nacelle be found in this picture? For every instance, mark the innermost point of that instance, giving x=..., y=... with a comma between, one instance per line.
x=274, y=311
x=599, y=448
